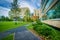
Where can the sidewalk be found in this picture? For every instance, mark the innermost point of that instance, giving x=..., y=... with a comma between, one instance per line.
x=21, y=33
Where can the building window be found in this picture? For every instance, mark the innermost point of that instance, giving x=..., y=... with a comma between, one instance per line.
x=54, y=12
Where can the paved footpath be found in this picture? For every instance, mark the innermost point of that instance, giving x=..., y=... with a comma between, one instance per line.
x=20, y=33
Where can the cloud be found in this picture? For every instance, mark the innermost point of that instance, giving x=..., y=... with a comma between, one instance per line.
x=34, y=3
x=25, y=4
x=31, y=4
x=5, y=5
x=4, y=11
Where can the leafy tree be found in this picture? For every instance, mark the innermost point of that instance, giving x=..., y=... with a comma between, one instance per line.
x=15, y=10
x=3, y=18
x=27, y=13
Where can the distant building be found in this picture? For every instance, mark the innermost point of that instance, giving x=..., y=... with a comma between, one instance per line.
x=36, y=14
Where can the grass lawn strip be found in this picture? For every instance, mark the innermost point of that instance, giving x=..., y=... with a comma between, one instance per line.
x=9, y=37
x=4, y=26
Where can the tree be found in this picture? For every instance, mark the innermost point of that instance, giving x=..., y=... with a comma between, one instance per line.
x=3, y=18
x=27, y=13
x=15, y=10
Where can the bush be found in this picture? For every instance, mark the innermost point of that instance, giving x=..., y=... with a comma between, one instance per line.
x=46, y=31
x=39, y=22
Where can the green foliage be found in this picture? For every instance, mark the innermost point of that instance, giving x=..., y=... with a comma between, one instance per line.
x=29, y=27
x=15, y=10
x=46, y=31
x=39, y=22
x=27, y=13
x=9, y=37
x=3, y=18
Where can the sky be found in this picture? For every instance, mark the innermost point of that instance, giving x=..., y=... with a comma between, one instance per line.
x=5, y=5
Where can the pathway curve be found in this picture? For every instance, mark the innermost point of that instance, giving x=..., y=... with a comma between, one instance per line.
x=15, y=30
x=21, y=33
x=25, y=35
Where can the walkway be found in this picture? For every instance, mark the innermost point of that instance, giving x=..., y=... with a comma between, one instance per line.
x=21, y=33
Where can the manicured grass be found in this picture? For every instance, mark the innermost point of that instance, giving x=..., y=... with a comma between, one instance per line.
x=29, y=27
x=4, y=26
x=9, y=37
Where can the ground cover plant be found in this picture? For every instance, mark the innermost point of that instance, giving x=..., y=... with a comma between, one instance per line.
x=46, y=31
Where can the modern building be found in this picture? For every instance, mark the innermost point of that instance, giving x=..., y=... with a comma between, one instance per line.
x=50, y=12
x=36, y=12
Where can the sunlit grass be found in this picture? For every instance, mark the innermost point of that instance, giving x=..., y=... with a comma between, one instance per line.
x=9, y=37
x=29, y=27
x=4, y=26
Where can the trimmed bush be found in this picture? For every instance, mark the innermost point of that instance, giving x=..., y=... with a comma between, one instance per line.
x=46, y=31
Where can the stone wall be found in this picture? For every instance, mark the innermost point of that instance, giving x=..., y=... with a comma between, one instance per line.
x=55, y=23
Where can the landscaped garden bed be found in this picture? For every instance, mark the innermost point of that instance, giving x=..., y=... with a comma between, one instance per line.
x=47, y=32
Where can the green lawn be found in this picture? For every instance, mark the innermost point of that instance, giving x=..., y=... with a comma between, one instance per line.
x=29, y=27
x=10, y=25
x=4, y=26
x=9, y=37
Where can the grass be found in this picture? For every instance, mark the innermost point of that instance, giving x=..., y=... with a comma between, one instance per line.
x=4, y=26
x=29, y=27
x=9, y=37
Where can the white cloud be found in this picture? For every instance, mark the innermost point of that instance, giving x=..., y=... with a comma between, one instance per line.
x=4, y=11
x=25, y=4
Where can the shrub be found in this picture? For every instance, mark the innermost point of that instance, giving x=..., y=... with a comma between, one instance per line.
x=39, y=22
x=46, y=31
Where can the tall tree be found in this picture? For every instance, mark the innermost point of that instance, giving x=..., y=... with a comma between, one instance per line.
x=27, y=13
x=15, y=10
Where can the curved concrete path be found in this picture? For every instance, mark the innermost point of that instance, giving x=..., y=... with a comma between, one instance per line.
x=21, y=33
x=25, y=35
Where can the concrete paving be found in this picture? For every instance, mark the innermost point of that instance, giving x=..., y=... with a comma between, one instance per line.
x=15, y=30
x=21, y=33
x=26, y=35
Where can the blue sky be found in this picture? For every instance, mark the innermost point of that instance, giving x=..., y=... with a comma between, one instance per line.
x=5, y=5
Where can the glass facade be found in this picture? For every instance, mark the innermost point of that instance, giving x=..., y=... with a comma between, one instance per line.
x=54, y=12
x=48, y=3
